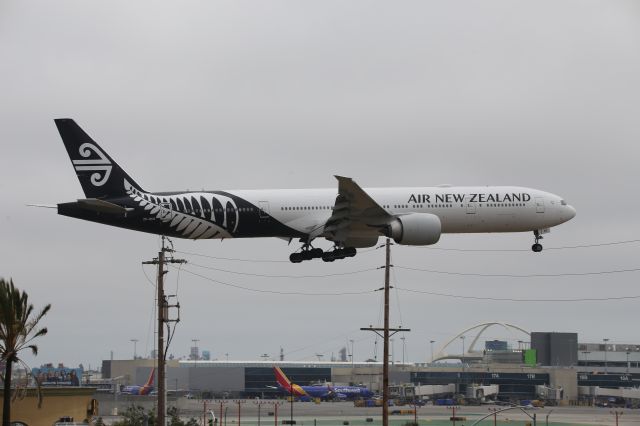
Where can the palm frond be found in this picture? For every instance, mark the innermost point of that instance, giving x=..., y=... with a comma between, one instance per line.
x=18, y=328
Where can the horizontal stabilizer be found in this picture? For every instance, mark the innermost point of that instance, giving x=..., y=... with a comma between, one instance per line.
x=103, y=206
x=44, y=206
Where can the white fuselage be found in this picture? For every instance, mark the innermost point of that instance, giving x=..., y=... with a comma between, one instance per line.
x=469, y=209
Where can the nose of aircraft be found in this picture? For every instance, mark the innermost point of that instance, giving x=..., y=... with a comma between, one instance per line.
x=570, y=212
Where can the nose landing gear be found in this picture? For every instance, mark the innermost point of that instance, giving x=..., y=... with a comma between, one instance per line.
x=537, y=247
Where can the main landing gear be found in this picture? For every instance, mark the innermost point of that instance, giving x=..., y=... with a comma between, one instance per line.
x=339, y=253
x=308, y=253
x=537, y=247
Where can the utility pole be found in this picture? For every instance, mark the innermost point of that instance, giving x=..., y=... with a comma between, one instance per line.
x=386, y=332
x=163, y=313
x=385, y=350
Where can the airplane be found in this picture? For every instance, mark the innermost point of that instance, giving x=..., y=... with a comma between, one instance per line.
x=140, y=390
x=349, y=216
x=320, y=391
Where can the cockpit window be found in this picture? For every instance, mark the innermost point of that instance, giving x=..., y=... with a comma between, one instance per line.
x=563, y=202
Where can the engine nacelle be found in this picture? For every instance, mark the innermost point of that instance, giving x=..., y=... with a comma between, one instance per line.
x=416, y=229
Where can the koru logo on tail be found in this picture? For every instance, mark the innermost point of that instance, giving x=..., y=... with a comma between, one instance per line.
x=102, y=166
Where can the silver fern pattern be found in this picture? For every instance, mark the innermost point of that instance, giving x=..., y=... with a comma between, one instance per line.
x=197, y=215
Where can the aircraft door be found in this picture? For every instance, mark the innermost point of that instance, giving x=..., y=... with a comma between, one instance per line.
x=539, y=205
x=470, y=217
x=263, y=213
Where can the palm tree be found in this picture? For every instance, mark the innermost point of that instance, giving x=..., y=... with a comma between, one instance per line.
x=17, y=331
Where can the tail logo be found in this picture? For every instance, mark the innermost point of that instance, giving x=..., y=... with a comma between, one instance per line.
x=101, y=166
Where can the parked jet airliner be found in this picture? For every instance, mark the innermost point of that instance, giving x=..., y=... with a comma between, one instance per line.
x=320, y=391
x=349, y=216
x=141, y=390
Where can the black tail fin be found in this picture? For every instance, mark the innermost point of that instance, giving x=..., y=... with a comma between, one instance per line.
x=99, y=175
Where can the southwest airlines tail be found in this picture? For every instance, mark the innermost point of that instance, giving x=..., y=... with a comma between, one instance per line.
x=99, y=175
x=148, y=387
x=286, y=384
x=282, y=379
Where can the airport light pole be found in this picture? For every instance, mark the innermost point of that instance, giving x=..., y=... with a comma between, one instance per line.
x=627, y=349
x=605, y=355
x=432, y=342
x=375, y=350
x=403, y=346
x=135, y=353
x=196, y=355
x=352, y=357
x=393, y=352
x=463, y=377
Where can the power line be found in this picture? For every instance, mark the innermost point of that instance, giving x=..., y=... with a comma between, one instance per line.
x=232, y=258
x=284, y=276
x=147, y=277
x=508, y=299
x=316, y=344
x=431, y=271
x=610, y=243
x=565, y=274
x=238, y=259
x=578, y=246
x=395, y=279
x=287, y=293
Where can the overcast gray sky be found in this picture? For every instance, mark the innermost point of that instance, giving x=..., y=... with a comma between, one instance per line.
x=285, y=94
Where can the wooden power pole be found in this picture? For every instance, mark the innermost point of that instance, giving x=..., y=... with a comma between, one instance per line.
x=163, y=311
x=386, y=333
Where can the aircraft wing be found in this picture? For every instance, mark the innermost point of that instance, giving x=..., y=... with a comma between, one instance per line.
x=355, y=213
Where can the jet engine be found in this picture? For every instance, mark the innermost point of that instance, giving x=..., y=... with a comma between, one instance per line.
x=415, y=229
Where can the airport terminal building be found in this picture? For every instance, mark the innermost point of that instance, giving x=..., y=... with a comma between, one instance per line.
x=573, y=371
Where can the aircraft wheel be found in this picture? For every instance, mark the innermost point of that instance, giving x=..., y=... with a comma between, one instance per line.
x=296, y=257
x=537, y=247
x=316, y=253
x=327, y=256
x=339, y=254
x=307, y=255
x=350, y=251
